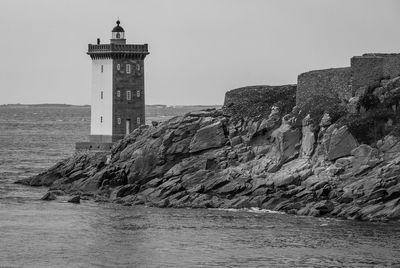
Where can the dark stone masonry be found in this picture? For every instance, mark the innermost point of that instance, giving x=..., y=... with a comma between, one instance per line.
x=124, y=109
x=257, y=100
x=365, y=72
x=334, y=83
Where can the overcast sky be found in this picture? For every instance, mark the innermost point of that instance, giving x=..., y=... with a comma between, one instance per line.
x=198, y=49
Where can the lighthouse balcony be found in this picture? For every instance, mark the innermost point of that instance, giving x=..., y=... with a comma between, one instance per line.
x=118, y=50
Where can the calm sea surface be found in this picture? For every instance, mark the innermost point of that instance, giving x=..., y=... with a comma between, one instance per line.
x=36, y=233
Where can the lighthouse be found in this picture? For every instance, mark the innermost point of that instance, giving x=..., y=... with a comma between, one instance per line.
x=117, y=90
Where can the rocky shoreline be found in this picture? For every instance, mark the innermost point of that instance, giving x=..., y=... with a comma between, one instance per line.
x=279, y=158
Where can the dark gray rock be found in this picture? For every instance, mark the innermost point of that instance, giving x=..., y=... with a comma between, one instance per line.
x=75, y=199
x=341, y=143
x=211, y=136
x=48, y=196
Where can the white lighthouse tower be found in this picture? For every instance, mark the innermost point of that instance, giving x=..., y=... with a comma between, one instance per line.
x=117, y=91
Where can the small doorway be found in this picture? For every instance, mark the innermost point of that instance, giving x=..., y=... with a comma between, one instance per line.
x=127, y=126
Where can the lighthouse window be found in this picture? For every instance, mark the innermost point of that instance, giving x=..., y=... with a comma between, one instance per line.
x=128, y=68
x=101, y=94
x=138, y=93
x=118, y=94
x=138, y=67
x=138, y=120
x=119, y=120
x=128, y=95
x=118, y=66
x=118, y=35
x=102, y=68
x=101, y=119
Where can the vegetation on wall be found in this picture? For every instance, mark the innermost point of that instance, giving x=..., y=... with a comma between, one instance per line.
x=257, y=101
x=320, y=104
x=371, y=125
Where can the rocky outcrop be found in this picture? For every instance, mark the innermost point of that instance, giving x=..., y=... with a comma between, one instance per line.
x=210, y=159
x=341, y=143
x=48, y=196
x=75, y=199
x=211, y=136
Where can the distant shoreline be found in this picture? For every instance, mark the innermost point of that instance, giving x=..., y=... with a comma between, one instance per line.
x=160, y=106
x=42, y=105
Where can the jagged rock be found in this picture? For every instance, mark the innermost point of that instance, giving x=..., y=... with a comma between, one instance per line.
x=236, y=140
x=216, y=183
x=390, y=147
x=128, y=189
x=211, y=136
x=202, y=201
x=324, y=207
x=48, y=196
x=341, y=143
x=272, y=120
x=344, y=162
x=308, y=139
x=185, y=162
x=287, y=142
x=365, y=155
x=75, y=199
x=57, y=192
x=314, y=180
x=291, y=173
x=333, y=170
x=197, y=189
x=155, y=182
x=353, y=105
x=232, y=188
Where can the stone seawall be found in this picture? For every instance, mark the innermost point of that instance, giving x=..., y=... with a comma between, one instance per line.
x=333, y=83
x=391, y=64
x=365, y=72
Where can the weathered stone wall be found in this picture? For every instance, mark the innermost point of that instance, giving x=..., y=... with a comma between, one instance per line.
x=369, y=69
x=255, y=101
x=391, y=66
x=122, y=107
x=334, y=83
x=367, y=72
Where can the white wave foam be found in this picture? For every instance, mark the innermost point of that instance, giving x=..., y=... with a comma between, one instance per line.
x=252, y=210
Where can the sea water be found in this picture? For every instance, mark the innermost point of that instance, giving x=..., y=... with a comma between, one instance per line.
x=36, y=233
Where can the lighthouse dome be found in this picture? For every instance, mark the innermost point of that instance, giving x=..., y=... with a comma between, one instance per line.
x=118, y=34
x=118, y=28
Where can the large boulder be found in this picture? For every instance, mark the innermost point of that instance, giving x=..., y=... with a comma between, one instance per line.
x=75, y=199
x=292, y=173
x=308, y=139
x=341, y=143
x=211, y=136
x=287, y=142
x=48, y=196
x=390, y=147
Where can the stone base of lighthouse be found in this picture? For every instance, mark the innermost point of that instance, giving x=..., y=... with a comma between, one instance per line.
x=98, y=142
x=93, y=146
